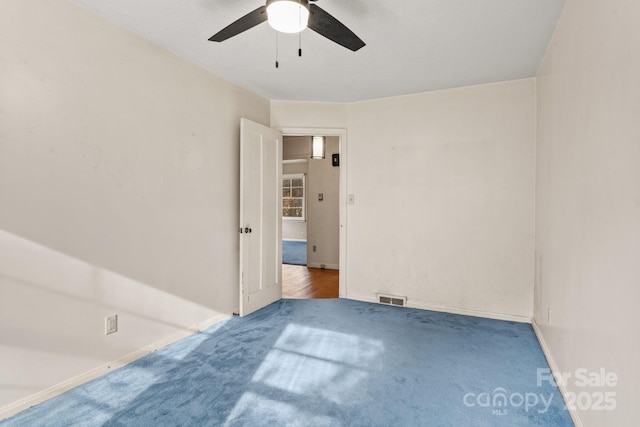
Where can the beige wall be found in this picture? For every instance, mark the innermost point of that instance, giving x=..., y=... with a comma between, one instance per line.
x=444, y=198
x=296, y=147
x=118, y=193
x=323, y=231
x=308, y=114
x=444, y=195
x=588, y=200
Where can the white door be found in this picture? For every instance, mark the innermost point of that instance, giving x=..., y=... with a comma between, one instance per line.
x=260, y=216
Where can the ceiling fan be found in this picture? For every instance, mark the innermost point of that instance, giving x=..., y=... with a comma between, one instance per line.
x=293, y=16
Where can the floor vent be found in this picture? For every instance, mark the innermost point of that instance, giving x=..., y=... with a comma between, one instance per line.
x=392, y=300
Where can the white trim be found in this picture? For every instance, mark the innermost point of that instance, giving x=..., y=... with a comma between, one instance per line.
x=326, y=266
x=292, y=161
x=294, y=240
x=56, y=390
x=422, y=305
x=575, y=416
x=468, y=311
x=341, y=133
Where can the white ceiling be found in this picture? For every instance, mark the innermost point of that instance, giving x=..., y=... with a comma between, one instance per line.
x=412, y=45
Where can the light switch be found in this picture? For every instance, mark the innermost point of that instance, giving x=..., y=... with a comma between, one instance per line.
x=320, y=196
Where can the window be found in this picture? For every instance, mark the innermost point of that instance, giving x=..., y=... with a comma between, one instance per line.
x=293, y=196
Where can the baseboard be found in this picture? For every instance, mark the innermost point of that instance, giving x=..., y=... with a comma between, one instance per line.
x=423, y=305
x=468, y=311
x=53, y=391
x=575, y=416
x=326, y=266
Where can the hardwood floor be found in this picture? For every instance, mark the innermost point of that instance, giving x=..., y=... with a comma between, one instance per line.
x=300, y=282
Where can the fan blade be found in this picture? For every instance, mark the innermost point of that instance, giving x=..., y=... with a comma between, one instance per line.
x=250, y=20
x=328, y=26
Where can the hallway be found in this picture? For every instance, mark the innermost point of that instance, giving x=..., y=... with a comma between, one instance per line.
x=301, y=282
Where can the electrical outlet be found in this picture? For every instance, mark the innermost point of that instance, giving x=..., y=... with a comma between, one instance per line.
x=111, y=324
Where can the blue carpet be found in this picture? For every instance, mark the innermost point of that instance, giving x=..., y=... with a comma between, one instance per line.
x=294, y=252
x=325, y=363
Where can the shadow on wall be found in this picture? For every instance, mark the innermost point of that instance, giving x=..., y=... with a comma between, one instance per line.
x=52, y=313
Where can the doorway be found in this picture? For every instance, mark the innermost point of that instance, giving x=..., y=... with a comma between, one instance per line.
x=311, y=218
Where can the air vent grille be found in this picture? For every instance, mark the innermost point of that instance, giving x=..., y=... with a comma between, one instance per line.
x=392, y=300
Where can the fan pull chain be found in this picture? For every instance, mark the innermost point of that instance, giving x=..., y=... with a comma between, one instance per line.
x=300, y=33
x=277, y=64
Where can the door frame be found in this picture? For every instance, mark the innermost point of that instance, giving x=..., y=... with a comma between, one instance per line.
x=341, y=133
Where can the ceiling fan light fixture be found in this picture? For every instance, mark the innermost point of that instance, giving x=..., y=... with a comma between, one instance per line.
x=288, y=16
